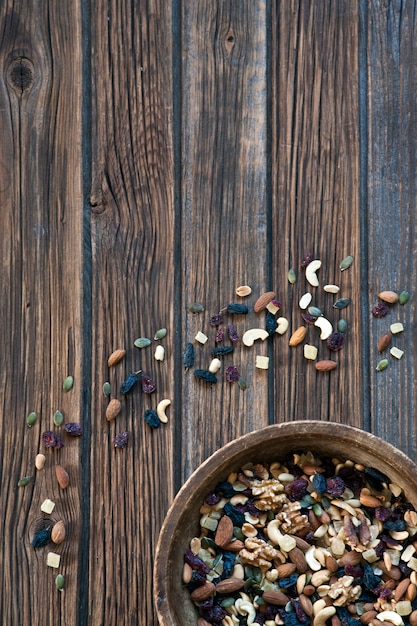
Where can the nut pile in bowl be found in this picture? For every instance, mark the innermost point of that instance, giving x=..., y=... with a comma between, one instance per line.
x=310, y=540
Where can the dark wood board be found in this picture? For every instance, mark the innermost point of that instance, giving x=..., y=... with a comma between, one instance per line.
x=157, y=154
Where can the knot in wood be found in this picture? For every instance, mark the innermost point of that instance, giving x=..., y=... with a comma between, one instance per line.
x=20, y=74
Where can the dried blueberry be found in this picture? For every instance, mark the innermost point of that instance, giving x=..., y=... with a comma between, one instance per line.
x=129, y=383
x=120, y=440
x=188, y=356
x=73, y=429
x=151, y=418
x=205, y=375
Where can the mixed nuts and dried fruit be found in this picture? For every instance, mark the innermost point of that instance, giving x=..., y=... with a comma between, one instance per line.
x=307, y=541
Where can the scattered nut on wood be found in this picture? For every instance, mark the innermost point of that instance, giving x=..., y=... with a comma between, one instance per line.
x=388, y=296
x=161, y=408
x=58, y=532
x=298, y=336
x=263, y=300
x=40, y=461
x=115, y=357
x=325, y=326
x=311, y=270
x=250, y=336
x=282, y=327
x=113, y=409
x=243, y=291
x=62, y=476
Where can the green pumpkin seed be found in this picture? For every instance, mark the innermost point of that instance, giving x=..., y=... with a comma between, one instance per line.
x=68, y=383
x=342, y=326
x=227, y=602
x=31, y=419
x=58, y=418
x=382, y=365
x=242, y=383
x=160, y=334
x=24, y=481
x=346, y=263
x=60, y=582
x=403, y=297
x=292, y=277
x=142, y=342
x=315, y=311
x=107, y=389
x=342, y=303
x=196, y=307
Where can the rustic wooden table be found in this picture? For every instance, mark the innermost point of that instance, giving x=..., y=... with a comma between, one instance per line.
x=160, y=153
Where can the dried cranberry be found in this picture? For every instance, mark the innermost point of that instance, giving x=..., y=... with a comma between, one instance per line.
x=380, y=310
x=195, y=562
x=335, y=486
x=309, y=319
x=219, y=334
x=52, y=440
x=212, y=498
x=232, y=374
x=120, y=440
x=216, y=320
x=335, y=341
x=296, y=489
x=74, y=429
x=299, y=611
x=233, y=334
x=148, y=385
x=353, y=570
x=382, y=513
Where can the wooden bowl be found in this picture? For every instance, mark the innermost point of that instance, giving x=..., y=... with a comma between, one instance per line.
x=172, y=600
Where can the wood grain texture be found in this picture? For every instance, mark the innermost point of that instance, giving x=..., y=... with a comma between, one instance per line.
x=41, y=304
x=392, y=190
x=132, y=296
x=316, y=209
x=224, y=210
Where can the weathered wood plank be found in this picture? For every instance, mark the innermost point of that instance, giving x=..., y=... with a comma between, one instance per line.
x=224, y=210
x=41, y=221
x=132, y=296
x=315, y=199
x=392, y=189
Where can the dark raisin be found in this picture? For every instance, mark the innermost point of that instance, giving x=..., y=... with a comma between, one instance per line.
x=129, y=383
x=73, y=429
x=120, y=440
x=335, y=486
x=233, y=334
x=299, y=611
x=271, y=323
x=188, y=356
x=195, y=562
x=232, y=374
x=296, y=489
x=219, y=334
x=239, y=309
x=151, y=418
x=335, y=341
x=222, y=350
x=51, y=440
x=216, y=320
x=205, y=375
x=41, y=538
x=380, y=310
x=148, y=385
x=309, y=319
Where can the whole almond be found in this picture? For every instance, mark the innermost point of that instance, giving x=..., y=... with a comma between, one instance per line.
x=204, y=592
x=384, y=341
x=388, y=296
x=401, y=589
x=306, y=604
x=113, y=409
x=229, y=585
x=350, y=558
x=234, y=546
x=58, y=532
x=224, y=531
x=298, y=336
x=115, y=357
x=263, y=300
x=275, y=597
x=368, y=616
x=371, y=501
x=331, y=563
x=411, y=592
x=325, y=365
x=413, y=618
x=309, y=590
x=301, y=543
x=62, y=476
x=286, y=569
x=297, y=557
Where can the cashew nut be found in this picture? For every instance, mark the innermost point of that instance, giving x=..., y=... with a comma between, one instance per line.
x=311, y=270
x=159, y=353
x=273, y=532
x=305, y=300
x=325, y=327
x=331, y=288
x=323, y=615
x=160, y=410
x=311, y=560
x=282, y=325
x=246, y=607
x=390, y=616
x=254, y=333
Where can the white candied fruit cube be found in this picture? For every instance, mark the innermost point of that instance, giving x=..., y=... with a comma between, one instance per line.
x=403, y=607
x=47, y=506
x=262, y=362
x=53, y=559
x=201, y=337
x=396, y=352
x=310, y=352
x=396, y=328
